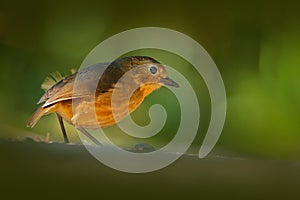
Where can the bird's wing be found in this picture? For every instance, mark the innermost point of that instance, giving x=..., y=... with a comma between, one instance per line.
x=78, y=85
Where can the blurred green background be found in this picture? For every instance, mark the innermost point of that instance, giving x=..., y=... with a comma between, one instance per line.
x=255, y=44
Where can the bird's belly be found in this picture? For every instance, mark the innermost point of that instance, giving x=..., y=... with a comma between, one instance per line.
x=91, y=114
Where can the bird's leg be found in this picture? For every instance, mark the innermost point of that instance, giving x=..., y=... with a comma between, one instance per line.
x=87, y=134
x=62, y=126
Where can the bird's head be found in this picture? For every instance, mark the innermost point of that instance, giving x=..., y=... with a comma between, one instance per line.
x=144, y=70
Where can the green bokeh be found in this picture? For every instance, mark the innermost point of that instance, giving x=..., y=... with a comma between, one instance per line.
x=255, y=45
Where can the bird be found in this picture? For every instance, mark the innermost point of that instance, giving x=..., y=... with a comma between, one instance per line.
x=84, y=98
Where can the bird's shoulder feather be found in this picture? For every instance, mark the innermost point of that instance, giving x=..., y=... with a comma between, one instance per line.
x=81, y=84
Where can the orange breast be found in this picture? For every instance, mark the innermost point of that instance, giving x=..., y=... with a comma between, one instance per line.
x=91, y=114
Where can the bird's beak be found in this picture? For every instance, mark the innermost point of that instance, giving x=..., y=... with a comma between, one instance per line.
x=169, y=82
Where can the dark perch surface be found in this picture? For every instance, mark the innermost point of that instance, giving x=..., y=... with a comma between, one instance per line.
x=40, y=170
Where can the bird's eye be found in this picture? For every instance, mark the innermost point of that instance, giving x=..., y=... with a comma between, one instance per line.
x=153, y=69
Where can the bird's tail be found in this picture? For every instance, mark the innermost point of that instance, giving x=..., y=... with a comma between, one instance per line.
x=37, y=115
